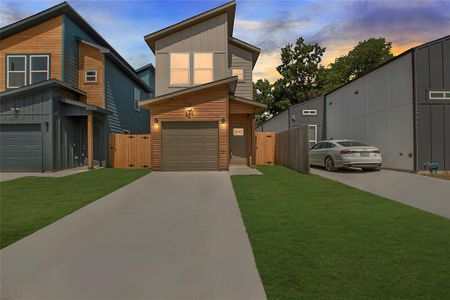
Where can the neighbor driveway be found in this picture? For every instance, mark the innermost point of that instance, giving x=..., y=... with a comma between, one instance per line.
x=165, y=236
x=429, y=194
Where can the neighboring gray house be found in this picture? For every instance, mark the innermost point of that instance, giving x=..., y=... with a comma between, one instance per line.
x=309, y=112
x=402, y=107
x=59, y=103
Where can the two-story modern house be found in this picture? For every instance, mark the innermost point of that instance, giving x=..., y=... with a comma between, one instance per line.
x=63, y=89
x=202, y=117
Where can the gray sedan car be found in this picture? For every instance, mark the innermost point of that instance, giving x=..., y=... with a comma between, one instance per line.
x=335, y=154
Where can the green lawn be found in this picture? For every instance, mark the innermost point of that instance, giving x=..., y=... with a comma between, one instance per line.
x=30, y=203
x=318, y=239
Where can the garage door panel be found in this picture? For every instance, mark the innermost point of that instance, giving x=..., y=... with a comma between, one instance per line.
x=20, y=147
x=190, y=146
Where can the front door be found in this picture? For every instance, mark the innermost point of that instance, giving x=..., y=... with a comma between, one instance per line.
x=238, y=144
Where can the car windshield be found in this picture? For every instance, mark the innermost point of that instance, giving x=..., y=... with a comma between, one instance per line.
x=351, y=144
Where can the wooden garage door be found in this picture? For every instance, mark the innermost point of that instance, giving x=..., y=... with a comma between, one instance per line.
x=20, y=147
x=190, y=146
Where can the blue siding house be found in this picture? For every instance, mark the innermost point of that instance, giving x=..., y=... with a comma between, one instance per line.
x=61, y=116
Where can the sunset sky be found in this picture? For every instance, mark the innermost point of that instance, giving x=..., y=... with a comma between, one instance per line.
x=336, y=25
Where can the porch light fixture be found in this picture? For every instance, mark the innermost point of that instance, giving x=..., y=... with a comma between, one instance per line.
x=189, y=112
x=222, y=121
x=155, y=121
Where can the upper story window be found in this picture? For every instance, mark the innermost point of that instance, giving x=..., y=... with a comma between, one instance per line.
x=239, y=73
x=39, y=68
x=90, y=76
x=16, y=71
x=137, y=98
x=179, y=68
x=26, y=69
x=203, y=68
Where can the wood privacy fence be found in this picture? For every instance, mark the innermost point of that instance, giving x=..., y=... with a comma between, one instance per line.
x=129, y=151
x=292, y=149
x=265, y=148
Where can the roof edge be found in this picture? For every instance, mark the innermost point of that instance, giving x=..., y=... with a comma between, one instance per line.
x=151, y=38
x=41, y=85
x=229, y=80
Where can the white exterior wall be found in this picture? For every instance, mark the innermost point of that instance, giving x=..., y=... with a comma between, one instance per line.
x=379, y=114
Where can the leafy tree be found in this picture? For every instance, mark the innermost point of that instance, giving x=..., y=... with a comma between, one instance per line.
x=363, y=58
x=300, y=65
x=263, y=92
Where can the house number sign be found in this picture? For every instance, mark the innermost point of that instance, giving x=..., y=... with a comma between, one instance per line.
x=238, y=131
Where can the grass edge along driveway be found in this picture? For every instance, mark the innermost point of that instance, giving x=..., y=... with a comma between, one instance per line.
x=30, y=203
x=314, y=238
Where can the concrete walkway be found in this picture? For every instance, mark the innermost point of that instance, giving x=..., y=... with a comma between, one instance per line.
x=426, y=193
x=242, y=170
x=165, y=236
x=5, y=176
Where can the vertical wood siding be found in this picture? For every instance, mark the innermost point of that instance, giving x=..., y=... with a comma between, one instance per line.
x=45, y=38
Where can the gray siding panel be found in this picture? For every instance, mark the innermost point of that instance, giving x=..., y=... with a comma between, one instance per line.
x=300, y=119
x=208, y=36
x=120, y=100
x=377, y=109
x=278, y=123
x=432, y=72
x=436, y=66
x=424, y=135
x=240, y=58
x=447, y=137
x=437, y=134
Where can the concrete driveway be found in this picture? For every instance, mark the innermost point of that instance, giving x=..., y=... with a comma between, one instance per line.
x=165, y=236
x=429, y=194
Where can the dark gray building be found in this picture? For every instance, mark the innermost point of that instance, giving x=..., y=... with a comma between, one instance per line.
x=309, y=112
x=402, y=107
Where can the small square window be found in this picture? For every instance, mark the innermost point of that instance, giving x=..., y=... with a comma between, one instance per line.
x=239, y=73
x=90, y=76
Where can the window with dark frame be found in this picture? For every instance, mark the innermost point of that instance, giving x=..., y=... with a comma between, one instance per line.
x=90, y=76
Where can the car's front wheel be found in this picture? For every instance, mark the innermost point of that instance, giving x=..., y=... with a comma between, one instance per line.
x=329, y=164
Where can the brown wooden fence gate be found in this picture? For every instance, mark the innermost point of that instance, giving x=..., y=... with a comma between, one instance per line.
x=265, y=148
x=129, y=151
